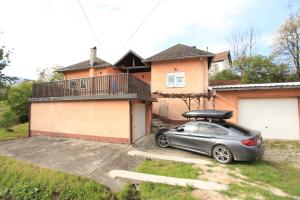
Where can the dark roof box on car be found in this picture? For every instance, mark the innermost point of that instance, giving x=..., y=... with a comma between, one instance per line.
x=212, y=114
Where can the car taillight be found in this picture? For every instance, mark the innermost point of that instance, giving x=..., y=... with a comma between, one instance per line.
x=249, y=142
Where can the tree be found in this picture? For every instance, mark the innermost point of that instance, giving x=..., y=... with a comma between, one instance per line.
x=243, y=45
x=227, y=74
x=225, y=77
x=4, y=62
x=50, y=74
x=265, y=70
x=18, y=99
x=287, y=42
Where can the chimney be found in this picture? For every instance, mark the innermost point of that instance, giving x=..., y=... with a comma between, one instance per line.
x=93, y=54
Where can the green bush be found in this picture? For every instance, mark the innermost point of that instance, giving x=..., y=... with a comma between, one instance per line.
x=18, y=100
x=8, y=118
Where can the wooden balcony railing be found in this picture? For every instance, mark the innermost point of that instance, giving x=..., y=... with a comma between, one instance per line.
x=101, y=85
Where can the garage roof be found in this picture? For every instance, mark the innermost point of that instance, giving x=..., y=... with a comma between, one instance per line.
x=257, y=86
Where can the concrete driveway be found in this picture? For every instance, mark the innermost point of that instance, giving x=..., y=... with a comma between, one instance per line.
x=84, y=158
x=89, y=159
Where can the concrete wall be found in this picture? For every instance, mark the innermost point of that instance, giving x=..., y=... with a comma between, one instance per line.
x=195, y=82
x=103, y=120
x=228, y=100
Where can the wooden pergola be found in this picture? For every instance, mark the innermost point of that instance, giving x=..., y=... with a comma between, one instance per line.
x=187, y=98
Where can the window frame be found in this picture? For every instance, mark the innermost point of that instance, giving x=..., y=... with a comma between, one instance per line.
x=175, y=84
x=83, y=83
x=73, y=84
x=225, y=131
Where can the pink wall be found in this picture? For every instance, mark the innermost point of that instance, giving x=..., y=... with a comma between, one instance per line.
x=195, y=82
x=144, y=76
x=107, y=120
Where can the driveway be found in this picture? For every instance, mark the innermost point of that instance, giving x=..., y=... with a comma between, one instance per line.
x=89, y=159
x=84, y=158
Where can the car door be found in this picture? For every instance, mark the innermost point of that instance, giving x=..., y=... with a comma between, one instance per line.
x=182, y=136
x=204, y=139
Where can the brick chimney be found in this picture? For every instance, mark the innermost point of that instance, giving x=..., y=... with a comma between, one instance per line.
x=93, y=54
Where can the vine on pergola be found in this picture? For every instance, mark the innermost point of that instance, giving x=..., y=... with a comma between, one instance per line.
x=187, y=98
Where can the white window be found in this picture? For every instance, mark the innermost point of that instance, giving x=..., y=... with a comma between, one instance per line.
x=176, y=79
x=214, y=68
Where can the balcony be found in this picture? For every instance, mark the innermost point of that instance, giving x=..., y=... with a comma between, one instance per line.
x=119, y=85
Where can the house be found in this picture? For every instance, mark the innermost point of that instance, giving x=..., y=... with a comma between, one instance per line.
x=113, y=102
x=178, y=69
x=96, y=101
x=220, y=62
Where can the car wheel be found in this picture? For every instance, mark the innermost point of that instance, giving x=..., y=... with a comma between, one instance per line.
x=222, y=154
x=162, y=141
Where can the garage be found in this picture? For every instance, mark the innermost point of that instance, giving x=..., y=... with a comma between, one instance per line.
x=272, y=108
x=139, y=121
x=276, y=118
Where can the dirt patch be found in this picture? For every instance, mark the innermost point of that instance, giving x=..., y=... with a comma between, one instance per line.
x=209, y=195
x=283, y=152
x=220, y=174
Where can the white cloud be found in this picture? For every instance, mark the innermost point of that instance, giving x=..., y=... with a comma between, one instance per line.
x=48, y=32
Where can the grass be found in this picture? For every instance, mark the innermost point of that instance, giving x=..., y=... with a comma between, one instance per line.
x=21, y=180
x=167, y=168
x=249, y=192
x=17, y=131
x=281, y=176
x=161, y=191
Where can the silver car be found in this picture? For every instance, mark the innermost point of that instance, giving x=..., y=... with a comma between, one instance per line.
x=222, y=140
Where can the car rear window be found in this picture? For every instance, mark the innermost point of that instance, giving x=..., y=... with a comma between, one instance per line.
x=237, y=128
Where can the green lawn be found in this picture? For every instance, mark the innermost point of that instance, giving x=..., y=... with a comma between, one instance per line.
x=17, y=131
x=20, y=180
x=161, y=191
x=281, y=176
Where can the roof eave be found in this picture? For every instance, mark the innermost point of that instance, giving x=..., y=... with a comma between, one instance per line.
x=178, y=58
x=256, y=88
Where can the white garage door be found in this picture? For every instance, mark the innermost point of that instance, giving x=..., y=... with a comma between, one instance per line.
x=139, y=120
x=276, y=118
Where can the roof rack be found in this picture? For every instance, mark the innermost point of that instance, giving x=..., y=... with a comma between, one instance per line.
x=208, y=114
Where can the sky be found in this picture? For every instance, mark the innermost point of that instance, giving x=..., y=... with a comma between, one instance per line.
x=45, y=33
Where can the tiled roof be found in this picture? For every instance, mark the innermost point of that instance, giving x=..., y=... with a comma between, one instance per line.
x=86, y=65
x=179, y=51
x=221, y=56
x=257, y=86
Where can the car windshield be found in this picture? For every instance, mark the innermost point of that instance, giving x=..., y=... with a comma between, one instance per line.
x=238, y=128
